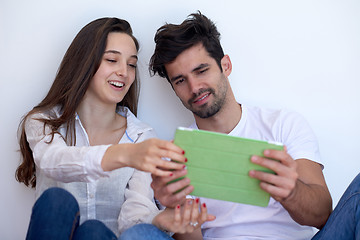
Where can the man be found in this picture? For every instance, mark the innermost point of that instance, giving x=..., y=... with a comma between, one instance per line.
x=191, y=58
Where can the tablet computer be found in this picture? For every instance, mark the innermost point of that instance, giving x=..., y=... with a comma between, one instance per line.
x=218, y=165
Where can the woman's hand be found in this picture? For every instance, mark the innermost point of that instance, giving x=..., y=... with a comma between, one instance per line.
x=184, y=219
x=149, y=156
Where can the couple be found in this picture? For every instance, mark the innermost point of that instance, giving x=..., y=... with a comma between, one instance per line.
x=90, y=158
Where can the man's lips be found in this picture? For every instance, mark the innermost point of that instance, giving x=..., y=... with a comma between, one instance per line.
x=201, y=97
x=200, y=100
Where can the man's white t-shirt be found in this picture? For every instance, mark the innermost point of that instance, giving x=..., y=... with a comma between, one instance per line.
x=241, y=221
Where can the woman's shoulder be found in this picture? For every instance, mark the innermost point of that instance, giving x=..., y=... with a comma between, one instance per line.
x=34, y=123
x=51, y=113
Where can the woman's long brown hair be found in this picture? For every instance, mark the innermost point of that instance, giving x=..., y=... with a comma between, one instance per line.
x=79, y=65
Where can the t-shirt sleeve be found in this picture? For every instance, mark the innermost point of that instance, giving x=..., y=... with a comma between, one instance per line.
x=299, y=138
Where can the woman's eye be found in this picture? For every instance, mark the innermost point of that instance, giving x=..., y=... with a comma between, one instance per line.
x=111, y=60
x=132, y=65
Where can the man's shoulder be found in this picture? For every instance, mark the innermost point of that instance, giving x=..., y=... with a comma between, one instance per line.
x=271, y=114
x=193, y=126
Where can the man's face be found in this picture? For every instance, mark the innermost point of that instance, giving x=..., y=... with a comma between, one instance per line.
x=198, y=81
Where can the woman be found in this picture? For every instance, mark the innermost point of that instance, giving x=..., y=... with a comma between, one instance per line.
x=84, y=137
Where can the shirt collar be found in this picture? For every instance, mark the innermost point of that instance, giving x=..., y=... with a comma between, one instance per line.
x=134, y=126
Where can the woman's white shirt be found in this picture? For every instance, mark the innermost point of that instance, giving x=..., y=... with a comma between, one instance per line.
x=120, y=198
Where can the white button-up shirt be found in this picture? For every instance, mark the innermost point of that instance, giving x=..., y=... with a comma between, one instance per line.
x=120, y=198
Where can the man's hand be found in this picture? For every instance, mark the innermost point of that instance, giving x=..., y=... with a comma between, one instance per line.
x=281, y=184
x=171, y=194
x=299, y=185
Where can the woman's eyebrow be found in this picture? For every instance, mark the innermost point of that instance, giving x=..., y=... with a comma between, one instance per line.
x=117, y=52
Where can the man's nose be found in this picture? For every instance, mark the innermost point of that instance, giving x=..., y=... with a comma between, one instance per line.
x=194, y=85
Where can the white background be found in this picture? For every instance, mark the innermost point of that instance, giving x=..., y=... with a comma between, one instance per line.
x=300, y=55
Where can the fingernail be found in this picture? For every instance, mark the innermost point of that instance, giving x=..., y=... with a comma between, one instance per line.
x=197, y=200
x=178, y=206
x=184, y=166
x=204, y=205
x=183, y=152
x=186, y=160
x=266, y=152
x=171, y=174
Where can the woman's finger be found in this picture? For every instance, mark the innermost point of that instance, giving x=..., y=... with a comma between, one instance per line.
x=187, y=212
x=168, y=165
x=195, y=213
x=177, y=215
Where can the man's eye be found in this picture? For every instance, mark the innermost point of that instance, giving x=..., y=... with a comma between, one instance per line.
x=179, y=81
x=203, y=70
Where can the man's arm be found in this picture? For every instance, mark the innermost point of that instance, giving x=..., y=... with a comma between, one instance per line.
x=311, y=196
x=298, y=185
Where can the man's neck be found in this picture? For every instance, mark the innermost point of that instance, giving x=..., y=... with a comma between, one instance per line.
x=224, y=121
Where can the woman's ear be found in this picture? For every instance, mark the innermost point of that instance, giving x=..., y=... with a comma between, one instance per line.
x=226, y=65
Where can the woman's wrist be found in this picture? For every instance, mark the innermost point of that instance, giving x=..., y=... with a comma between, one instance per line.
x=157, y=224
x=114, y=158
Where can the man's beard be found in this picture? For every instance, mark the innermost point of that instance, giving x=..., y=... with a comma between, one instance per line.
x=207, y=110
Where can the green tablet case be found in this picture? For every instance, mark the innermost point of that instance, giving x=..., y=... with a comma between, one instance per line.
x=218, y=165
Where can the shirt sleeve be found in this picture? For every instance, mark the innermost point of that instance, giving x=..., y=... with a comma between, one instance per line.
x=139, y=205
x=299, y=138
x=58, y=160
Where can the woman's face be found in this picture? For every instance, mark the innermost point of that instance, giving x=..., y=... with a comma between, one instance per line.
x=116, y=72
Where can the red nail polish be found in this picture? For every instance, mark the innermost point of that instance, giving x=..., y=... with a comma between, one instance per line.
x=178, y=206
x=184, y=166
x=204, y=205
x=183, y=152
x=186, y=160
x=171, y=174
x=197, y=200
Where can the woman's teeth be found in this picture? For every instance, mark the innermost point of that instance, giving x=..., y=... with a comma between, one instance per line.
x=116, y=84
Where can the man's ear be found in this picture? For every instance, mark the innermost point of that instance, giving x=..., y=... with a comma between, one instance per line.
x=226, y=65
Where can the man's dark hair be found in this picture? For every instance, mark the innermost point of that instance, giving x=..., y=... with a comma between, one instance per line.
x=171, y=40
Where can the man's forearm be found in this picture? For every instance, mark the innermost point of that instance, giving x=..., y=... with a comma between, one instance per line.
x=309, y=204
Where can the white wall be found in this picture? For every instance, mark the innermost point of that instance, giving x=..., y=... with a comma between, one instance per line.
x=301, y=55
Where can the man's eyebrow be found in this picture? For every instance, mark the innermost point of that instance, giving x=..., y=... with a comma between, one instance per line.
x=176, y=77
x=201, y=66
x=117, y=52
